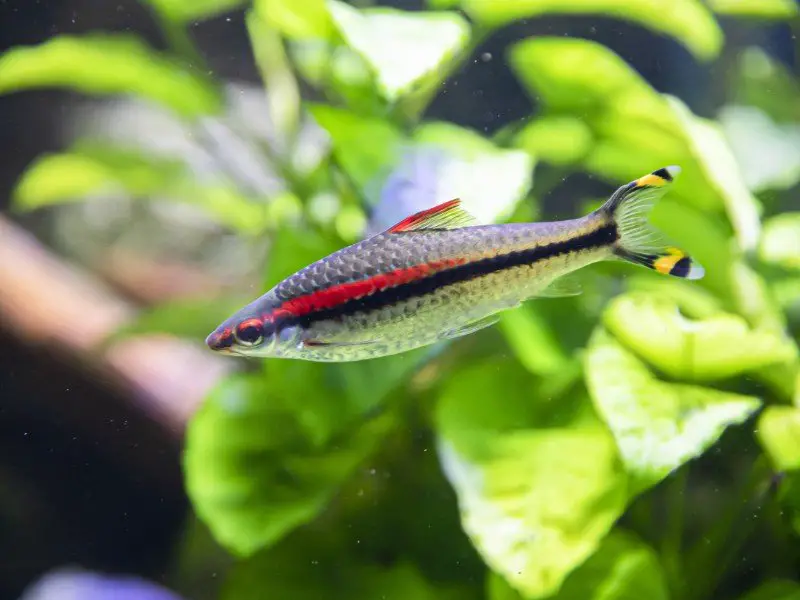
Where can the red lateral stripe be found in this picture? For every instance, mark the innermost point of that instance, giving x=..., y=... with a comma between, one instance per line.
x=423, y=216
x=339, y=294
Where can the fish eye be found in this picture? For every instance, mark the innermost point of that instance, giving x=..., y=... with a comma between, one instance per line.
x=249, y=333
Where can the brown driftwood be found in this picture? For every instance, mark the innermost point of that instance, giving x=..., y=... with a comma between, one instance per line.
x=48, y=303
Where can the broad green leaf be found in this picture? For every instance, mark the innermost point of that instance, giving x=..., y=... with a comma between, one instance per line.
x=188, y=11
x=109, y=64
x=777, y=589
x=622, y=568
x=559, y=140
x=688, y=21
x=259, y=463
x=403, y=48
x=658, y=426
x=192, y=319
x=780, y=243
x=779, y=433
x=297, y=20
x=635, y=129
x=765, y=9
x=716, y=347
x=768, y=154
x=538, y=484
x=490, y=181
x=715, y=157
x=95, y=172
x=366, y=148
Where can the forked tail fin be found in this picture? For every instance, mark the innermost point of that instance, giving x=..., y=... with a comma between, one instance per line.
x=640, y=242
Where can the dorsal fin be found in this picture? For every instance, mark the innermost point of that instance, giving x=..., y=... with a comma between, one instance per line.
x=447, y=215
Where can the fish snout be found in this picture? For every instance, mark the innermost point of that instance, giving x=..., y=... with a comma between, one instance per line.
x=220, y=341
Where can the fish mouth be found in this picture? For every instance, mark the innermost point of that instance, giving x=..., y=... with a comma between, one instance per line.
x=220, y=342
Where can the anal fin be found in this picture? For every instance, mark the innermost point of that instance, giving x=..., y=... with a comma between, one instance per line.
x=470, y=327
x=566, y=285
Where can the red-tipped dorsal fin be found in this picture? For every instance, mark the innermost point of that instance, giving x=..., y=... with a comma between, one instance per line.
x=447, y=215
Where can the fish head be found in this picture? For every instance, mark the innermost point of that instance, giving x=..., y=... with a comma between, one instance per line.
x=246, y=334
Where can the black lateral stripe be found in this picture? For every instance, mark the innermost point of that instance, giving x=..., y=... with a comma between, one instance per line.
x=603, y=236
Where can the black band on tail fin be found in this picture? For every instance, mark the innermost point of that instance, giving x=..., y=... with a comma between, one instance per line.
x=638, y=241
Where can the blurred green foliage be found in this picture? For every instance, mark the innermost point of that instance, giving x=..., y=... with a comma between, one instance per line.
x=544, y=458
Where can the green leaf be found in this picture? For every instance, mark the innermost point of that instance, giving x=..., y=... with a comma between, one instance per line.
x=297, y=20
x=776, y=589
x=403, y=48
x=622, y=568
x=779, y=433
x=764, y=9
x=193, y=319
x=634, y=129
x=490, y=181
x=109, y=64
x=780, y=244
x=258, y=463
x=688, y=21
x=658, y=426
x=96, y=171
x=188, y=11
x=559, y=140
x=538, y=484
x=712, y=348
x=365, y=147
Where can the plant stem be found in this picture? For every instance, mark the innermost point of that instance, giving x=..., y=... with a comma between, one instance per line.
x=672, y=542
x=709, y=558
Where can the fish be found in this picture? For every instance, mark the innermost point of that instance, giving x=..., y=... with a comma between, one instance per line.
x=437, y=275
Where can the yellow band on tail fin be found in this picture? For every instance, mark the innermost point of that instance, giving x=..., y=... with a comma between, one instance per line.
x=637, y=240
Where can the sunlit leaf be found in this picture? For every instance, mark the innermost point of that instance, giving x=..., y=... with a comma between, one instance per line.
x=765, y=9
x=688, y=21
x=777, y=589
x=538, y=484
x=781, y=241
x=91, y=172
x=192, y=319
x=365, y=147
x=779, y=433
x=559, y=140
x=259, y=463
x=716, y=159
x=658, y=426
x=401, y=47
x=187, y=11
x=622, y=568
x=634, y=129
x=108, y=64
x=297, y=20
x=715, y=347
x=488, y=180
